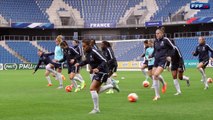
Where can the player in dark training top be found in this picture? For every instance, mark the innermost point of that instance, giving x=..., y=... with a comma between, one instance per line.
x=50, y=65
x=178, y=68
x=111, y=61
x=78, y=48
x=99, y=67
x=202, y=51
x=162, y=46
x=71, y=56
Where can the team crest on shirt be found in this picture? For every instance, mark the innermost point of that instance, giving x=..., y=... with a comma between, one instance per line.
x=162, y=43
x=91, y=58
x=203, y=49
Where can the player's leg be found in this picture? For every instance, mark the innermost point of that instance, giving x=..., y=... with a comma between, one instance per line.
x=48, y=78
x=144, y=71
x=94, y=88
x=183, y=77
x=73, y=81
x=79, y=78
x=150, y=74
x=156, y=72
x=176, y=83
x=201, y=66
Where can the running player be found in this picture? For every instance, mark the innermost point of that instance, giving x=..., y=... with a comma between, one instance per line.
x=99, y=67
x=58, y=56
x=161, y=47
x=50, y=65
x=94, y=46
x=111, y=61
x=178, y=68
x=77, y=47
x=145, y=62
x=150, y=60
x=202, y=50
x=71, y=56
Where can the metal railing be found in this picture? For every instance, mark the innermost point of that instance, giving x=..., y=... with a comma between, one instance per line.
x=193, y=34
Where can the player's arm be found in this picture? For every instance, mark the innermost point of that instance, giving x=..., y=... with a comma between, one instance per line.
x=211, y=50
x=195, y=53
x=76, y=53
x=49, y=54
x=101, y=58
x=37, y=66
x=112, y=58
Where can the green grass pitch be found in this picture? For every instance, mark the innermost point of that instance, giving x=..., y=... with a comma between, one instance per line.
x=24, y=96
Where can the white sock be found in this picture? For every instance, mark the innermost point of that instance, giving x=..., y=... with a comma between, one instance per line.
x=59, y=77
x=161, y=79
x=105, y=87
x=203, y=76
x=185, y=78
x=48, y=80
x=145, y=74
x=156, y=87
x=109, y=81
x=177, y=86
x=48, y=67
x=95, y=99
x=78, y=79
x=91, y=76
x=74, y=83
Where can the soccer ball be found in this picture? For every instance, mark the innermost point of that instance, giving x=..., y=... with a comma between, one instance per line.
x=209, y=80
x=132, y=97
x=68, y=88
x=114, y=75
x=145, y=84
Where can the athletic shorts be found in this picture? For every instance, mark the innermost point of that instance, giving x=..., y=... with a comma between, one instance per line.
x=56, y=65
x=145, y=62
x=113, y=68
x=162, y=62
x=73, y=69
x=175, y=67
x=100, y=76
x=150, y=67
x=205, y=63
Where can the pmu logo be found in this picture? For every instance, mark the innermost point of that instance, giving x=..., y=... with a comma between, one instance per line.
x=198, y=5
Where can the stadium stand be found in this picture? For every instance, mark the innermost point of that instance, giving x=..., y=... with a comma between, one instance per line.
x=11, y=9
x=204, y=13
x=7, y=57
x=188, y=45
x=92, y=11
x=25, y=49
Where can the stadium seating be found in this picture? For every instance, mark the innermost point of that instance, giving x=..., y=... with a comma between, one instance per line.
x=188, y=45
x=22, y=11
x=48, y=45
x=7, y=57
x=25, y=49
x=126, y=51
x=168, y=6
x=92, y=11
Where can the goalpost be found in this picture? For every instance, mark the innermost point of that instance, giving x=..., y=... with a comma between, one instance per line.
x=128, y=53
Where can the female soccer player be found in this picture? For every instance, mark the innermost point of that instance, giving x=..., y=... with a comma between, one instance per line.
x=150, y=60
x=58, y=56
x=161, y=47
x=77, y=47
x=71, y=56
x=145, y=62
x=111, y=61
x=202, y=50
x=50, y=65
x=99, y=67
x=178, y=68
